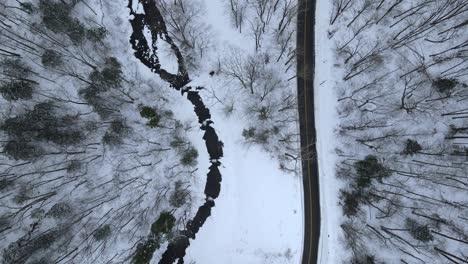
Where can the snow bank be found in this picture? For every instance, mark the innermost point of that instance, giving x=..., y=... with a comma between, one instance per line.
x=327, y=121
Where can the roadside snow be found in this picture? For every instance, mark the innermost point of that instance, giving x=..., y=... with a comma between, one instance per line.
x=327, y=121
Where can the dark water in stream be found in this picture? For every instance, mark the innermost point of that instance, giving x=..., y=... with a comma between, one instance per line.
x=152, y=19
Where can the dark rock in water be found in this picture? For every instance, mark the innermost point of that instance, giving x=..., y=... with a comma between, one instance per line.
x=203, y=213
x=194, y=98
x=175, y=250
x=203, y=114
x=201, y=111
x=213, y=182
x=215, y=150
x=220, y=148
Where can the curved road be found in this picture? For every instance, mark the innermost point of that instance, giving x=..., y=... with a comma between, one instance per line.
x=305, y=92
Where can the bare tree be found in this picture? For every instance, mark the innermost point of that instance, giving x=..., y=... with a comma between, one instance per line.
x=238, y=9
x=183, y=19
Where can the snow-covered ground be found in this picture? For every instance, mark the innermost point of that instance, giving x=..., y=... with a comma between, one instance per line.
x=258, y=215
x=326, y=122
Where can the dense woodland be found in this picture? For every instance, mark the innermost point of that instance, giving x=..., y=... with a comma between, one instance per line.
x=92, y=156
x=403, y=94
x=95, y=166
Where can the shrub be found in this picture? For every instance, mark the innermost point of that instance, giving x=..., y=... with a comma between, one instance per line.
x=452, y=131
x=370, y=168
x=56, y=16
x=51, y=58
x=5, y=223
x=144, y=252
x=258, y=136
x=98, y=85
x=118, y=127
x=24, y=193
x=275, y=130
x=110, y=76
x=92, y=95
x=42, y=124
x=22, y=250
x=114, y=134
x=59, y=210
x=111, y=139
x=147, y=112
x=5, y=184
x=178, y=142
x=366, y=259
x=249, y=133
x=46, y=239
x=96, y=34
x=444, y=86
x=73, y=166
x=102, y=233
x=351, y=202
x=16, y=126
x=61, y=131
x=40, y=261
x=16, y=90
x=98, y=81
x=28, y=6
x=412, y=147
x=263, y=113
x=179, y=196
x=189, y=157
x=262, y=136
x=168, y=114
x=112, y=72
x=153, y=122
x=21, y=150
x=15, y=68
x=228, y=109
x=37, y=213
x=418, y=231
x=164, y=224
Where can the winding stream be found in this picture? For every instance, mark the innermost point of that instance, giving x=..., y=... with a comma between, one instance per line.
x=152, y=19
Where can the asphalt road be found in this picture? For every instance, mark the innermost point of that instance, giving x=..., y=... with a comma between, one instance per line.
x=305, y=91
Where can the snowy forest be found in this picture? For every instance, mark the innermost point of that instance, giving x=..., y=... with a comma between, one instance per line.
x=92, y=158
x=402, y=91
x=98, y=162
x=110, y=113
